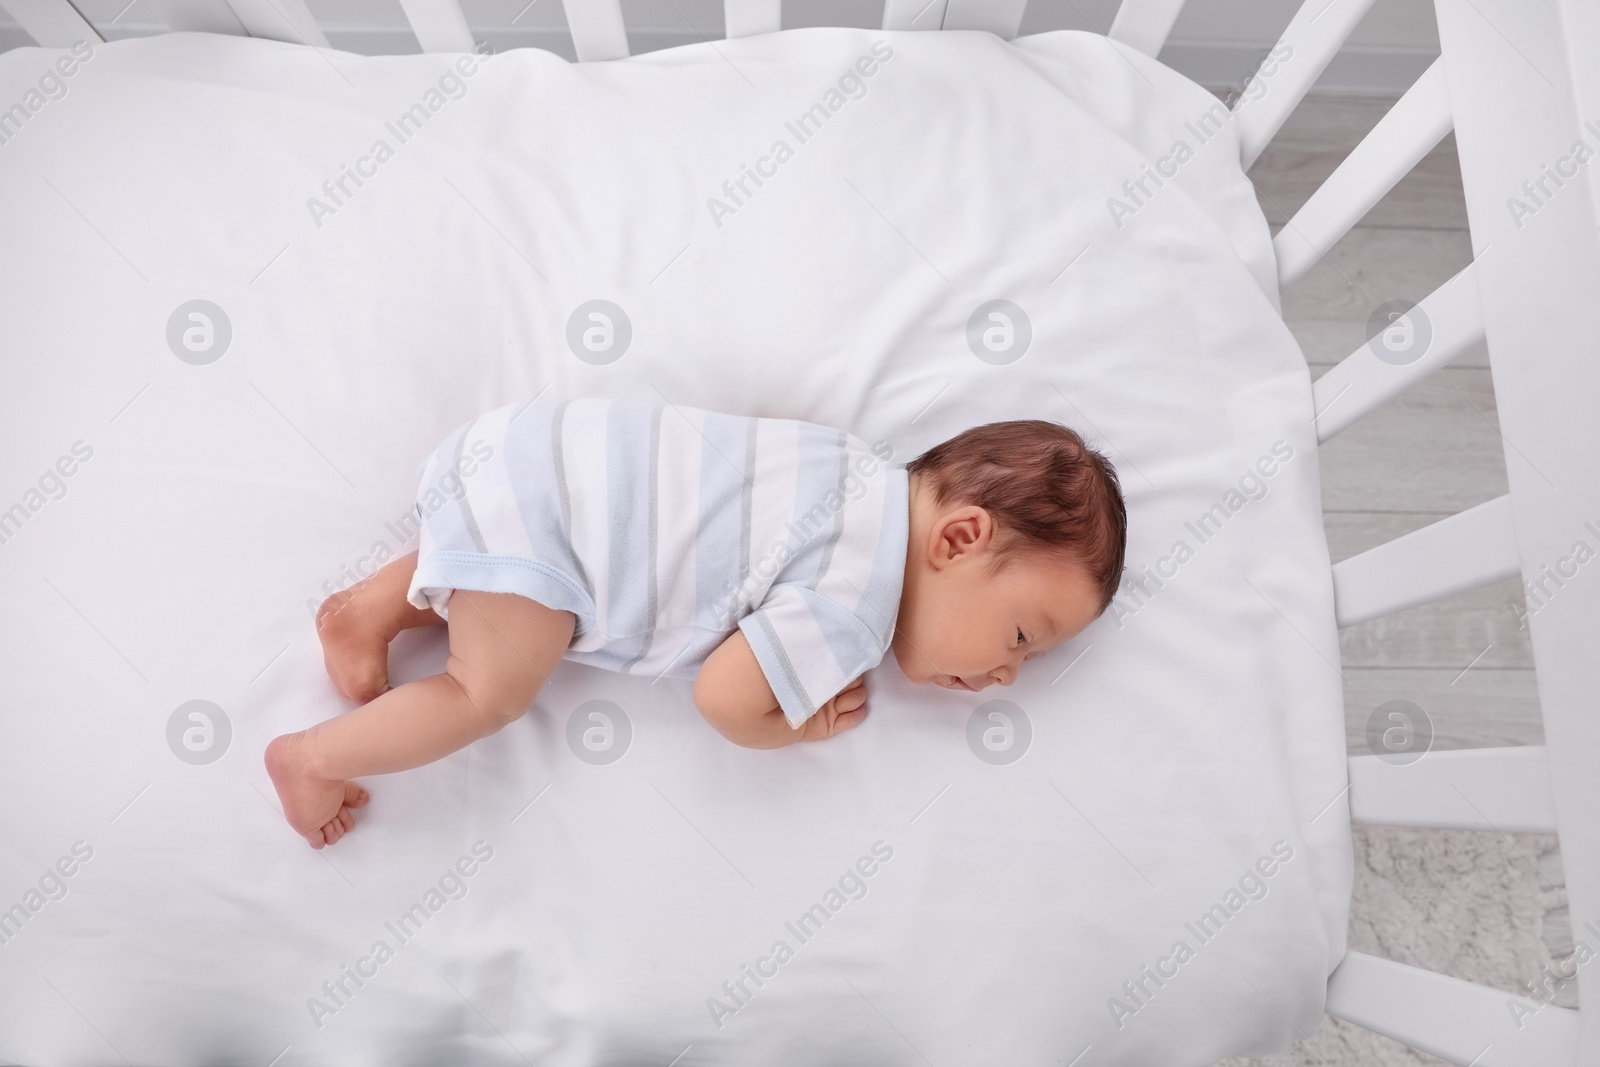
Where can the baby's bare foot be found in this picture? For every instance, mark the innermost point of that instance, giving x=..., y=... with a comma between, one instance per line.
x=355, y=651
x=318, y=808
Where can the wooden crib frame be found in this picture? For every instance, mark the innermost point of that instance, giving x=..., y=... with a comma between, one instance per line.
x=1517, y=80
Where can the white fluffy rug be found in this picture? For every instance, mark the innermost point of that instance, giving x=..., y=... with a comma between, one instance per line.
x=1484, y=907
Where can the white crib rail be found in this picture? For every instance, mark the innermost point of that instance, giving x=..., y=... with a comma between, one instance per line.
x=1454, y=555
x=1361, y=382
x=1457, y=1021
x=1144, y=24
x=746, y=18
x=1317, y=31
x=1397, y=143
x=200, y=16
x=999, y=17
x=439, y=25
x=913, y=14
x=596, y=28
x=1505, y=790
x=1512, y=104
x=53, y=23
x=1511, y=67
x=277, y=20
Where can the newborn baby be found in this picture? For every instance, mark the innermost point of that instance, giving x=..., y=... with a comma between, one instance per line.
x=772, y=561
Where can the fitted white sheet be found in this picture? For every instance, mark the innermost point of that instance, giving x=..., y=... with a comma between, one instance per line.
x=1172, y=745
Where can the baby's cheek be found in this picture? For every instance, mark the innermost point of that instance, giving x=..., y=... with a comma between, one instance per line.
x=935, y=651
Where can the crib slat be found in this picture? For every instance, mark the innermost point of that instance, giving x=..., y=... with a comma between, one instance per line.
x=1361, y=381
x=913, y=14
x=746, y=18
x=1144, y=24
x=1313, y=36
x=597, y=29
x=1457, y=1021
x=1522, y=79
x=1473, y=548
x=200, y=16
x=52, y=23
x=1417, y=122
x=999, y=17
x=1506, y=789
x=438, y=24
x=280, y=20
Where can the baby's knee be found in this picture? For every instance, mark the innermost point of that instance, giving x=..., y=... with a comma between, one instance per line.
x=497, y=691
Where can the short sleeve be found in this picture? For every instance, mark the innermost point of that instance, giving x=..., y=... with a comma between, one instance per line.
x=809, y=647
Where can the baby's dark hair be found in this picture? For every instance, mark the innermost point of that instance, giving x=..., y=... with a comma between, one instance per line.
x=1045, y=488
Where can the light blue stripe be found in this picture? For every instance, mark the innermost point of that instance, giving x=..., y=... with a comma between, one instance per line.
x=859, y=630
x=653, y=480
x=531, y=470
x=813, y=520
x=792, y=697
x=632, y=442
x=559, y=465
x=841, y=468
x=716, y=547
x=880, y=600
x=854, y=644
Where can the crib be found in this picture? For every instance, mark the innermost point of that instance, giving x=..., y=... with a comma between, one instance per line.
x=1518, y=84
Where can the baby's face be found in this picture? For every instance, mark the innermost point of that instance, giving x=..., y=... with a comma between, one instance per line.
x=966, y=630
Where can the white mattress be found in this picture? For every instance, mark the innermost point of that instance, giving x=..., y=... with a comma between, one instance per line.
x=1173, y=745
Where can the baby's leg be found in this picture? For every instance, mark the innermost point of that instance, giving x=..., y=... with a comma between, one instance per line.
x=502, y=648
x=356, y=625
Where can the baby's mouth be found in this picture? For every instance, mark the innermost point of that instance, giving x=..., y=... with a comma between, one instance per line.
x=956, y=683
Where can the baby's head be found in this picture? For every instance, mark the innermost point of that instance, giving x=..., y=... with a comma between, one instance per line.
x=1017, y=538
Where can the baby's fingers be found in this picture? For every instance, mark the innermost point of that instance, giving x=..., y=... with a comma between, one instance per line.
x=847, y=719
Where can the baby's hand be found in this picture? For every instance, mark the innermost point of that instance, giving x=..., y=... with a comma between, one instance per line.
x=837, y=715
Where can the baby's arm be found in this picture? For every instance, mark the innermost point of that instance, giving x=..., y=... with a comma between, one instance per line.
x=733, y=694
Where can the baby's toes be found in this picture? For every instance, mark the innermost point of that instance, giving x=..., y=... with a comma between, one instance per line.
x=345, y=819
x=354, y=795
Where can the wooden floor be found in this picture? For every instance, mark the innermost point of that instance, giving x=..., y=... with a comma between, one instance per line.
x=1430, y=453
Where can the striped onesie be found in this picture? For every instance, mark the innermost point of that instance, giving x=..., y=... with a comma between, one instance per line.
x=663, y=528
